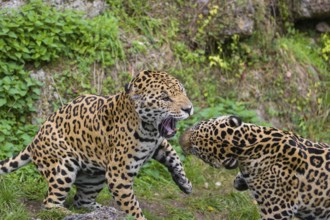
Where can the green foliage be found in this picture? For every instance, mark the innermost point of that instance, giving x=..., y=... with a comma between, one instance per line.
x=299, y=47
x=97, y=40
x=285, y=17
x=186, y=55
x=14, y=136
x=204, y=22
x=37, y=33
x=228, y=55
x=189, y=72
x=326, y=46
x=18, y=92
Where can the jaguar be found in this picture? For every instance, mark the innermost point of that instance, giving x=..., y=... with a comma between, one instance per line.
x=97, y=140
x=287, y=175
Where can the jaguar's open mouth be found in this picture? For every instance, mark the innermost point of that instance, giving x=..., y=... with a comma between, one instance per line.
x=167, y=128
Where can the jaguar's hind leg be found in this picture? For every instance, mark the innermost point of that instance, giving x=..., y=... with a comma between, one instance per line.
x=60, y=175
x=88, y=187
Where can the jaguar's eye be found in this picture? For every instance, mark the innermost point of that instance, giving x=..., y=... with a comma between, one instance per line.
x=166, y=99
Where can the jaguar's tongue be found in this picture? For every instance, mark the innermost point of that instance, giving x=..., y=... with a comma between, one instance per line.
x=167, y=127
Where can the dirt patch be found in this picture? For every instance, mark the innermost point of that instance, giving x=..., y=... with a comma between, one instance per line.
x=156, y=208
x=33, y=206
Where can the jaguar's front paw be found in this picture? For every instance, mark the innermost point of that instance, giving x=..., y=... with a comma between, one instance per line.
x=183, y=183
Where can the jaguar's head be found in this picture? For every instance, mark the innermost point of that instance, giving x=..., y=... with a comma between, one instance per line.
x=212, y=141
x=160, y=100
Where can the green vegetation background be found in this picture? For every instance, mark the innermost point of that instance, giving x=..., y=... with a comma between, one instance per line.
x=278, y=75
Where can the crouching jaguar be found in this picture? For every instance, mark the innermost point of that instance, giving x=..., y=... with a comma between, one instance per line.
x=95, y=140
x=289, y=176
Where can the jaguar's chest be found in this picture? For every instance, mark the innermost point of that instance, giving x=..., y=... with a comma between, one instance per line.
x=146, y=145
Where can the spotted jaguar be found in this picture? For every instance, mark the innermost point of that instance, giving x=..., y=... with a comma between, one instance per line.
x=289, y=176
x=96, y=140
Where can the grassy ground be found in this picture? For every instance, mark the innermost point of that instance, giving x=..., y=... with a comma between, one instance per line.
x=213, y=196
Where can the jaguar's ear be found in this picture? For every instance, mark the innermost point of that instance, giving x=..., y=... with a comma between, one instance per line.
x=127, y=87
x=130, y=91
x=235, y=121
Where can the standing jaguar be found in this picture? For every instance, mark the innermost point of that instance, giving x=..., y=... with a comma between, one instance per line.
x=95, y=140
x=289, y=176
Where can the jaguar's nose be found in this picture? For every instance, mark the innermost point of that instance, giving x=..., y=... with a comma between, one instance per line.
x=188, y=110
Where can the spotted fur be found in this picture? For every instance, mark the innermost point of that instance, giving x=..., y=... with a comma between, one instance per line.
x=288, y=175
x=96, y=140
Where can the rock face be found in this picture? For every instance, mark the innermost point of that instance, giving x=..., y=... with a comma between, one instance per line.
x=219, y=19
x=231, y=17
x=11, y=3
x=323, y=27
x=306, y=9
x=104, y=213
x=91, y=7
x=48, y=94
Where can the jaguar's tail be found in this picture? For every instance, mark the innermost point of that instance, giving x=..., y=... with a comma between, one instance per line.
x=11, y=164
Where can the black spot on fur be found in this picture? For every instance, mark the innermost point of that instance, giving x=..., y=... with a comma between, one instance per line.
x=14, y=164
x=4, y=161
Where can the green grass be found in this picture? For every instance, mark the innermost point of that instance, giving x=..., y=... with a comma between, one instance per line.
x=10, y=206
x=211, y=202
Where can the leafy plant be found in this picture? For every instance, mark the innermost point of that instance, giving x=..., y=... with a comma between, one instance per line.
x=37, y=33
x=232, y=56
x=326, y=46
x=18, y=92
